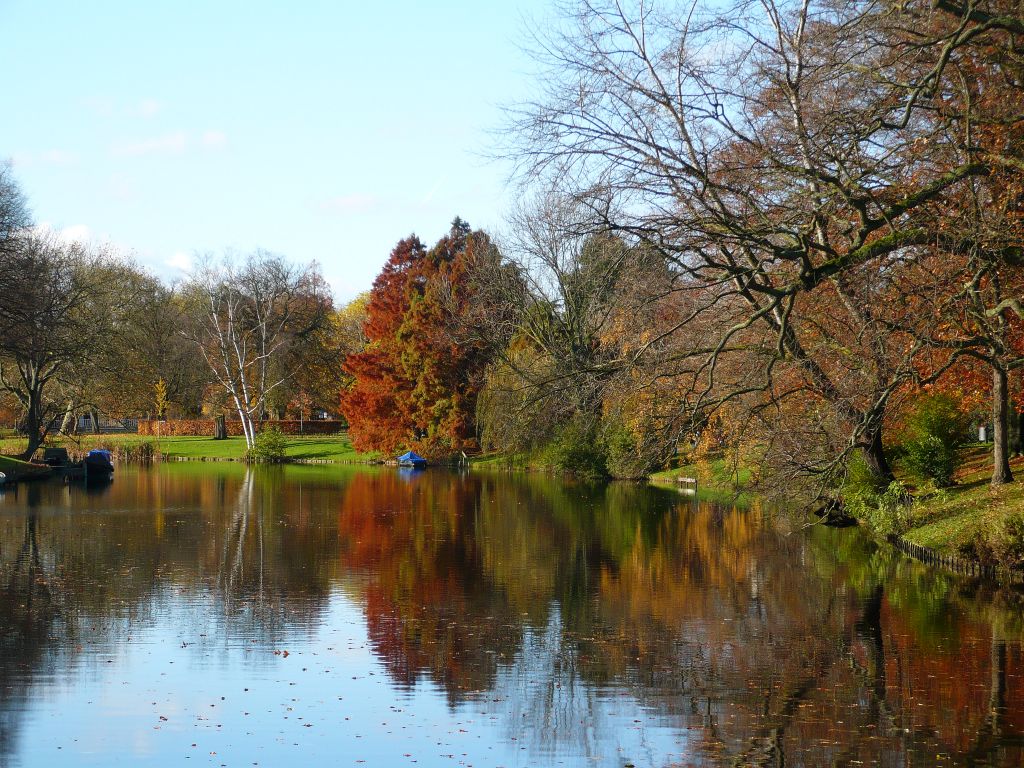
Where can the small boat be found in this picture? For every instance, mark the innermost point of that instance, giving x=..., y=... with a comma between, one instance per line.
x=60, y=463
x=98, y=463
x=412, y=459
x=56, y=457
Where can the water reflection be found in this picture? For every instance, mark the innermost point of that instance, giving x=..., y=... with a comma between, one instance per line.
x=606, y=625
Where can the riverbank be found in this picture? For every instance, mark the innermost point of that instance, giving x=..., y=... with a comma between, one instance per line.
x=972, y=519
x=14, y=470
x=333, y=449
x=969, y=523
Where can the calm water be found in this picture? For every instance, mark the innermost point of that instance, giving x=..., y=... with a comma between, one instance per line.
x=211, y=615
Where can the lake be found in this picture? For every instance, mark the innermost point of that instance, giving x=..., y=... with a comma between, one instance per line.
x=213, y=614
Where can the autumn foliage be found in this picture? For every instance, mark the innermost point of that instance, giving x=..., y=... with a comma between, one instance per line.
x=415, y=384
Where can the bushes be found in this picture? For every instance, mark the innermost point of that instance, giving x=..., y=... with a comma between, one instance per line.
x=886, y=508
x=143, y=452
x=577, y=449
x=930, y=459
x=936, y=429
x=268, y=448
x=624, y=457
x=999, y=545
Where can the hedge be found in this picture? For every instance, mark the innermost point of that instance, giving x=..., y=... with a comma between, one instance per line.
x=205, y=427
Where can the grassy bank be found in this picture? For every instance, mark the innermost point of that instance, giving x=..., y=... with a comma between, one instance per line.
x=15, y=469
x=328, y=448
x=971, y=518
x=721, y=474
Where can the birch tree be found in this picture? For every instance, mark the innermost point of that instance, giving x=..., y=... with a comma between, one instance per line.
x=245, y=316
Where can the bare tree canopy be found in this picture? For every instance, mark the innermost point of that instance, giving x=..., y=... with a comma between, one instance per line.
x=58, y=308
x=244, y=316
x=789, y=162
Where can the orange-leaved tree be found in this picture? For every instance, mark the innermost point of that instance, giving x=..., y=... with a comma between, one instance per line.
x=416, y=382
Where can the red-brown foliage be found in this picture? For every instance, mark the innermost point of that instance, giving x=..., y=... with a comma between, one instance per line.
x=416, y=382
x=205, y=427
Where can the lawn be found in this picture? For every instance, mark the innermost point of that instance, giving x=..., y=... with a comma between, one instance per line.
x=328, y=448
x=954, y=519
x=721, y=474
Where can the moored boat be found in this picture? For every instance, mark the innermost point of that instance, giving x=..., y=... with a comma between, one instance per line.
x=412, y=459
x=98, y=463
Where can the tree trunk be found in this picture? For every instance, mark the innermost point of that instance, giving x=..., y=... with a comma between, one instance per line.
x=95, y=420
x=1001, y=473
x=1016, y=436
x=33, y=428
x=67, y=426
x=220, y=428
x=873, y=452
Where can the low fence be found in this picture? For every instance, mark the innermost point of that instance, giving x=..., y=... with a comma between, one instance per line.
x=206, y=427
x=956, y=564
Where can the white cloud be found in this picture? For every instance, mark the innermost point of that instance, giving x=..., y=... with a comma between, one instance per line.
x=349, y=204
x=46, y=157
x=170, y=143
x=22, y=159
x=147, y=108
x=76, y=233
x=214, y=139
x=179, y=260
x=58, y=157
x=80, y=233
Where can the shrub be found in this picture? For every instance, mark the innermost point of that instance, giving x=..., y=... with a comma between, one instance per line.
x=1013, y=535
x=624, y=458
x=268, y=448
x=885, y=508
x=143, y=452
x=577, y=449
x=935, y=430
x=930, y=459
x=206, y=427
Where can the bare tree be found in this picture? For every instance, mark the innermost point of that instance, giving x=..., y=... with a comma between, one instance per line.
x=771, y=153
x=57, y=309
x=245, y=315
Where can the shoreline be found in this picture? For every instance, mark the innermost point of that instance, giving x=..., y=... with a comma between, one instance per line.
x=965, y=529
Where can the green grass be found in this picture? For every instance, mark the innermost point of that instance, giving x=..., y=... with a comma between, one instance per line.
x=953, y=519
x=718, y=473
x=332, y=448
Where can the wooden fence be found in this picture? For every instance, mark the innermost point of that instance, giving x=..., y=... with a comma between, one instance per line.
x=956, y=564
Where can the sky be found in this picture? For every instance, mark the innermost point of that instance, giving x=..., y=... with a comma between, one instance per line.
x=323, y=131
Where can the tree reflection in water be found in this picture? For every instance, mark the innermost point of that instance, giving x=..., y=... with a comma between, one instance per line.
x=559, y=610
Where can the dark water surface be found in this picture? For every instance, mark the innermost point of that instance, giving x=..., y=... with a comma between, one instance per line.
x=197, y=614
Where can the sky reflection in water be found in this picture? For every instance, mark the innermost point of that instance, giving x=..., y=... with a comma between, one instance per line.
x=197, y=614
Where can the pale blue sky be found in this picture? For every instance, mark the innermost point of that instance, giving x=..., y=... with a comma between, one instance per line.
x=320, y=130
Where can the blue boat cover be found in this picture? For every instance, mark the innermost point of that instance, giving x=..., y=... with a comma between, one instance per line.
x=100, y=452
x=413, y=457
